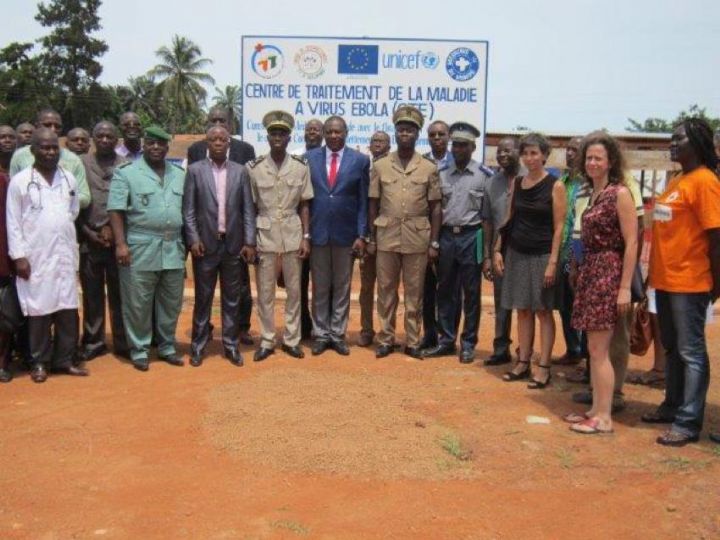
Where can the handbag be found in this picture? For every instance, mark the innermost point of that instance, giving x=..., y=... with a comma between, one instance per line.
x=640, y=330
x=11, y=316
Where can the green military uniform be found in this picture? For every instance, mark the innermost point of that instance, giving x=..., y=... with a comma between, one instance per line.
x=153, y=222
x=402, y=230
x=23, y=158
x=278, y=192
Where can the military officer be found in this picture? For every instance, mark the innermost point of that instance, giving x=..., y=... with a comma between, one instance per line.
x=145, y=207
x=281, y=189
x=463, y=184
x=405, y=215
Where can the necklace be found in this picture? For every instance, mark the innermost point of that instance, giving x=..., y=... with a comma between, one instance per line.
x=595, y=196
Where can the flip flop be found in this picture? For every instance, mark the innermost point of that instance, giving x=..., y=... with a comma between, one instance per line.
x=589, y=427
x=574, y=418
x=651, y=377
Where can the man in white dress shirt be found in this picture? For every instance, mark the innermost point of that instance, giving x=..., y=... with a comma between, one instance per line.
x=42, y=204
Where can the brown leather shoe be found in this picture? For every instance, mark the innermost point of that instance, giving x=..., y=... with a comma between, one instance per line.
x=75, y=371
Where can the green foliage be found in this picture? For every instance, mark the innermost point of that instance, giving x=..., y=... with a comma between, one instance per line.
x=659, y=125
x=24, y=86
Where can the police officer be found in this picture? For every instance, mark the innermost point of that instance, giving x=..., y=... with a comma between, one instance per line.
x=462, y=184
x=405, y=216
x=281, y=189
x=145, y=207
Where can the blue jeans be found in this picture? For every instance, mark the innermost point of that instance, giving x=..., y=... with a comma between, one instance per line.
x=687, y=374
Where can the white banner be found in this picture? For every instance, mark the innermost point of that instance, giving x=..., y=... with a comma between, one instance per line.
x=363, y=80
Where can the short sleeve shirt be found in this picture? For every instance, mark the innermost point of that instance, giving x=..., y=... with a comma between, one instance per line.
x=462, y=194
x=679, y=258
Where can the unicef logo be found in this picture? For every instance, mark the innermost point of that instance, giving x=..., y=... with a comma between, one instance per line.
x=462, y=64
x=430, y=60
x=267, y=61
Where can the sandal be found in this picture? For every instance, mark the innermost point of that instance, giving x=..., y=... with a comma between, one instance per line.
x=524, y=374
x=652, y=377
x=534, y=384
x=591, y=426
x=575, y=418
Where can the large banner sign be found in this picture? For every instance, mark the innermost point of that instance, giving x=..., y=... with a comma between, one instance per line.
x=363, y=80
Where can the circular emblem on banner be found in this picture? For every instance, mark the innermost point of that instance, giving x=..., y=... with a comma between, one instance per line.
x=462, y=64
x=311, y=61
x=267, y=61
x=430, y=60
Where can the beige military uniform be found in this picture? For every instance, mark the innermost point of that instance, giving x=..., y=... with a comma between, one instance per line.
x=277, y=193
x=402, y=230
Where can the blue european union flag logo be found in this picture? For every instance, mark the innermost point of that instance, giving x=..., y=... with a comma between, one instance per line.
x=358, y=59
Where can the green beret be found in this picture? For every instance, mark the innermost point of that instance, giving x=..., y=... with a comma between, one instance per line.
x=278, y=119
x=408, y=113
x=463, y=132
x=156, y=132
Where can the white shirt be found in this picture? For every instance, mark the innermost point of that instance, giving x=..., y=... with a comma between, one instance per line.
x=328, y=158
x=40, y=226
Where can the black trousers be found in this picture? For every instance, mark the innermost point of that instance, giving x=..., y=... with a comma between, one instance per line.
x=459, y=281
x=53, y=338
x=98, y=270
x=206, y=270
x=246, y=302
x=306, y=323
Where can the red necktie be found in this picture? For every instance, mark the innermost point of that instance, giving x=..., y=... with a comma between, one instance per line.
x=333, y=170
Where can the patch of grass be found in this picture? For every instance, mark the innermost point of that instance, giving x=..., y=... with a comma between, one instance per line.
x=294, y=526
x=452, y=445
x=677, y=463
x=567, y=459
x=716, y=450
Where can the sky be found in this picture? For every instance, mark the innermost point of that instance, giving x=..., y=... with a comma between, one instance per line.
x=558, y=66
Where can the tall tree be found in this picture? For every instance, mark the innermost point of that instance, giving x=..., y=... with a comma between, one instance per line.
x=182, y=78
x=231, y=99
x=24, y=84
x=70, y=55
x=659, y=125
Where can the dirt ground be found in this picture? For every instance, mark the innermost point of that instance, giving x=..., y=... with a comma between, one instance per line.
x=340, y=447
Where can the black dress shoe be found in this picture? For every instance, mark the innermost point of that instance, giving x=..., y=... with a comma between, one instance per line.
x=245, y=339
x=262, y=353
x=234, y=356
x=89, y=354
x=38, y=374
x=196, y=358
x=656, y=417
x=439, y=350
x=428, y=342
x=677, y=439
x=173, y=360
x=141, y=365
x=384, y=350
x=498, y=360
x=467, y=356
x=414, y=352
x=5, y=375
x=295, y=351
x=320, y=346
x=75, y=371
x=341, y=347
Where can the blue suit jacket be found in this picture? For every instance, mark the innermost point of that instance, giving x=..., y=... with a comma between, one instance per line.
x=339, y=216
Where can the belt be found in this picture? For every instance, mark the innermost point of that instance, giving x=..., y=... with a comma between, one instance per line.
x=165, y=235
x=220, y=236
x=457, y=229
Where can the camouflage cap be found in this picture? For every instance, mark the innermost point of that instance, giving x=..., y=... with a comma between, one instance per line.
x=408, y=113
x=278, y=119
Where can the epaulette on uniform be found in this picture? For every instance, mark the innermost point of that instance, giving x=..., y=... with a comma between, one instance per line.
x=487, y=170
x=254, y=163
x=301, y=159
x=430, y=159
x=123, y=165
x=177, y=166
x=380, y=157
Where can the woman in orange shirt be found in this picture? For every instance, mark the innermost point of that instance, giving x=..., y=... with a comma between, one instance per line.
x=685, y=271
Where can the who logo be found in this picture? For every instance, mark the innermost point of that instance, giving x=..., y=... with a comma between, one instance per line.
x=267, y=61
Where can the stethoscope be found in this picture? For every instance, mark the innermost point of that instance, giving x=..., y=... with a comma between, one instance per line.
x=35, y=184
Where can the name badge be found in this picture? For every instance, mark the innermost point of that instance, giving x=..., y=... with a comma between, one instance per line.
x=662, y=212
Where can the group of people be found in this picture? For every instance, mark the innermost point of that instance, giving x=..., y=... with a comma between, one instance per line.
x=439, y=222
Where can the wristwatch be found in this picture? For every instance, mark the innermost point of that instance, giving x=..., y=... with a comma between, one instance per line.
x=435, y=244
x=306, y=236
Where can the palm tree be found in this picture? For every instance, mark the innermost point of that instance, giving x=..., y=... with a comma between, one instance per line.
x=230, y=99
x=181, y=78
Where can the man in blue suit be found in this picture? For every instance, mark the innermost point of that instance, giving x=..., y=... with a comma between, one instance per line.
x=338, y=226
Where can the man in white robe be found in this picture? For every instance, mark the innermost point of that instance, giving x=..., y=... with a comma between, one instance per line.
x=42, y=205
